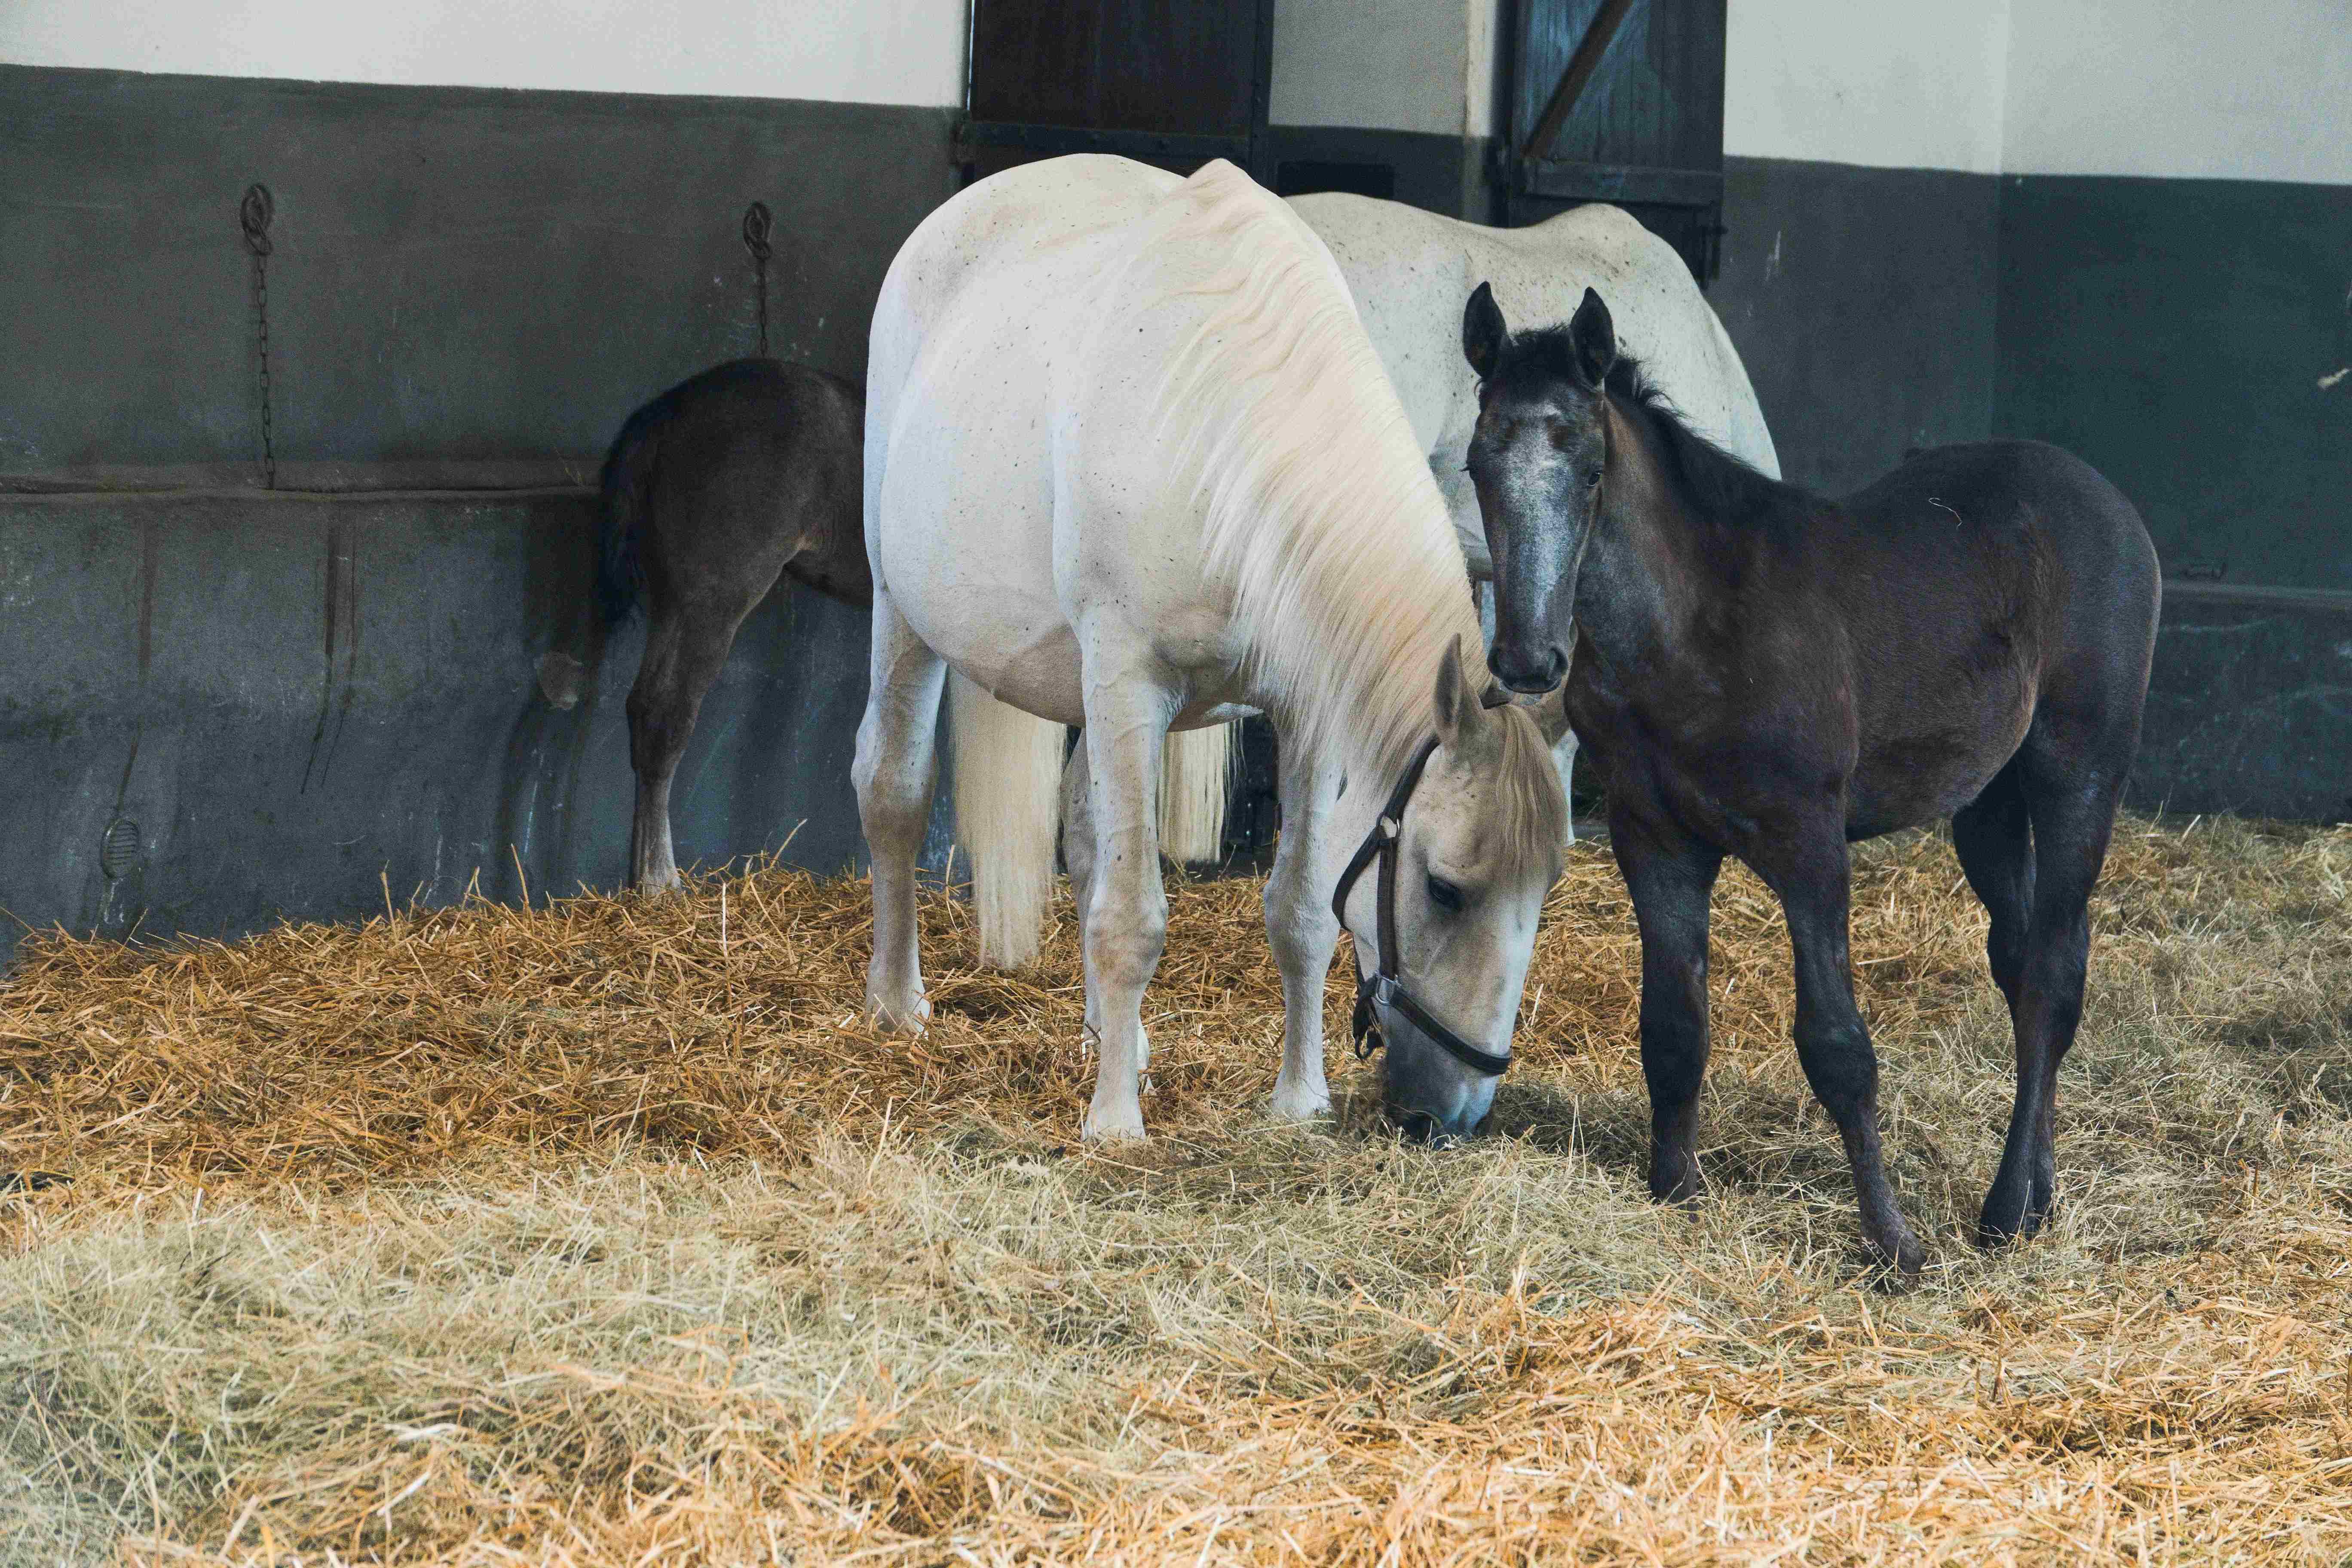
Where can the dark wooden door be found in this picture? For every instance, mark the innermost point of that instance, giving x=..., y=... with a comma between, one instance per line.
x=1171, y=82
x=1620, y=101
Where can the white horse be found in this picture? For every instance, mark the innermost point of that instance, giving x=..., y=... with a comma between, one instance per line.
x=1132, y=463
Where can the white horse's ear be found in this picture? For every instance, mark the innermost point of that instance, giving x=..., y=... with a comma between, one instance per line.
x=1551, y=715
x=1462, y=721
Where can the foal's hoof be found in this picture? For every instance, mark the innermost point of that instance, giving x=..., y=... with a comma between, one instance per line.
x=660, y=885
x=1896, y=1247
x=1679, y=1185
x=2002, y=1224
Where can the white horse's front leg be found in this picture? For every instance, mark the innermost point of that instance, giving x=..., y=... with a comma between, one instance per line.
x=1300, y=928
x=894, y=774
x=1126, y=907
x=1563, y=757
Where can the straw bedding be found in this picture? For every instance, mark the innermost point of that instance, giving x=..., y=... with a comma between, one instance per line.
x=602, y=1233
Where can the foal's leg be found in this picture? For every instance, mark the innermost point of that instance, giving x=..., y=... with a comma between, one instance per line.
x=1127, y=914
x=1994, y=838
x=2072, y=802
x=894, y=774
x=687, y=643
x=1301, y=929
x=1670, y=881
x=1833, y=1041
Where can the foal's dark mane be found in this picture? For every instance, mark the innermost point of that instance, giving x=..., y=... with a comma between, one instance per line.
x=1718, y=487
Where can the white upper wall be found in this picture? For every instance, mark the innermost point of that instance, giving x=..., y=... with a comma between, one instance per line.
x=2177, y=88
x=1899, y=84
x=2106, y=87
x=867, y=51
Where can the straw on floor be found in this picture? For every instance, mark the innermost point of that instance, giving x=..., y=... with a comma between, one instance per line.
x=605, y=1233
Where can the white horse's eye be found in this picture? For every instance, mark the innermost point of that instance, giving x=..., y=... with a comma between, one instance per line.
x=1444, y=894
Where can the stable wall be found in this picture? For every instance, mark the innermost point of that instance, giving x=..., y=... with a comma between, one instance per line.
x=298, y=699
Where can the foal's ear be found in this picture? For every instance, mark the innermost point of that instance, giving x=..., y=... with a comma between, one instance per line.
x=1484, y=335
x=1463, y=724
x=1594, y=338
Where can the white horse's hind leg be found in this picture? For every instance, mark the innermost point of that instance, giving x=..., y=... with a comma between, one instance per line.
x=1079, y=855
x=895, y=773
x=1300, y=928
x=1125, y=913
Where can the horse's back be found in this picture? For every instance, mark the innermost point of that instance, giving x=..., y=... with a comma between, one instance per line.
x=743, y=468
x=2032, y=566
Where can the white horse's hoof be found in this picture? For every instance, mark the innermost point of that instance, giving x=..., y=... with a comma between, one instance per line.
x=660, y=884
x=901, y=1018
x=1300, y=1103
x=1104, y=1125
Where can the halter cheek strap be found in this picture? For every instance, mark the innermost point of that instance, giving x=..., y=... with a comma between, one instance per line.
x=1382, y=988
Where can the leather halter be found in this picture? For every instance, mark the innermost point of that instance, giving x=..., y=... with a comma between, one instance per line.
x=1382, y=988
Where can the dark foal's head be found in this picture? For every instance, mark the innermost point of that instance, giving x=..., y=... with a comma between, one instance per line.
x=1538, y=459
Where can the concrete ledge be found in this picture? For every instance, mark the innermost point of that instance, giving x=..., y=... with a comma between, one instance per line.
x=2250, y=704
x=296, y=701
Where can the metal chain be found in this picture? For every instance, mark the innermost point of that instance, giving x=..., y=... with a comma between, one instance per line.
x=253, y=215
x=757, y=226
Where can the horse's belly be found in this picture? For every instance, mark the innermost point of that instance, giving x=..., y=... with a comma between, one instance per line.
x=965, y=525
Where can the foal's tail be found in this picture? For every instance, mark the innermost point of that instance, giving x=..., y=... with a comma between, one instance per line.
x=1008, y=771
x=620, y=514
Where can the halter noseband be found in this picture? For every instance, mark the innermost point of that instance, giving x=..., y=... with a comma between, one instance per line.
x=1382, y=988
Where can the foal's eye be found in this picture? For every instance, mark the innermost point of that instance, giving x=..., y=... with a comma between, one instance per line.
x=1444, y=894
x=1592, y=478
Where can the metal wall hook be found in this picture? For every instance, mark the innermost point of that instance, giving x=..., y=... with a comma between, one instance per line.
x=758, y=225
x=253, y=215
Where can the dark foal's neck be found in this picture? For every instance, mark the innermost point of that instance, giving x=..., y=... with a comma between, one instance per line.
x=1679, y=525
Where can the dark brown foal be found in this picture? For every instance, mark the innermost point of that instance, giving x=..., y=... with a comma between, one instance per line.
x=1765, y=673
x=712, y=491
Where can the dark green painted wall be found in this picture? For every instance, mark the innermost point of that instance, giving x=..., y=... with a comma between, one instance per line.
x=1862, y=302
x=459, y=273
x=2176, y=332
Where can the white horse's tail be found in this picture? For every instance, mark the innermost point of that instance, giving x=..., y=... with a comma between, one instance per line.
x=1008, y=772
x=1195, y=780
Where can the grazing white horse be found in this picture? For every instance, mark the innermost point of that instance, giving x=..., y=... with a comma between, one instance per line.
x=1132, y=463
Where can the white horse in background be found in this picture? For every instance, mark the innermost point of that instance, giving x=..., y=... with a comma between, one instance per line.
x=1132, y=463
x=1411, y=272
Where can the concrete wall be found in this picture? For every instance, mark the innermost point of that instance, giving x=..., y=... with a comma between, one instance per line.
x=297, y=702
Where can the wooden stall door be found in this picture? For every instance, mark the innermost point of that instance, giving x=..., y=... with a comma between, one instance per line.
x=1170, y=82
x=1620, y=101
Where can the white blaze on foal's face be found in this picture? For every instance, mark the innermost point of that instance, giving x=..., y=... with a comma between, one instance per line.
x=1479, y=849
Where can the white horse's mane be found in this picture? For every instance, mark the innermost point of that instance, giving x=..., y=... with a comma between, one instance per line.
x=1322, y=515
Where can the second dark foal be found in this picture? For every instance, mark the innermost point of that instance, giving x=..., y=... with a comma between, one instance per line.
x=1765, y=673
x=712, y=491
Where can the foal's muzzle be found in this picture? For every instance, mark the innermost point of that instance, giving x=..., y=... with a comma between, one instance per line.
x=1528, y=672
